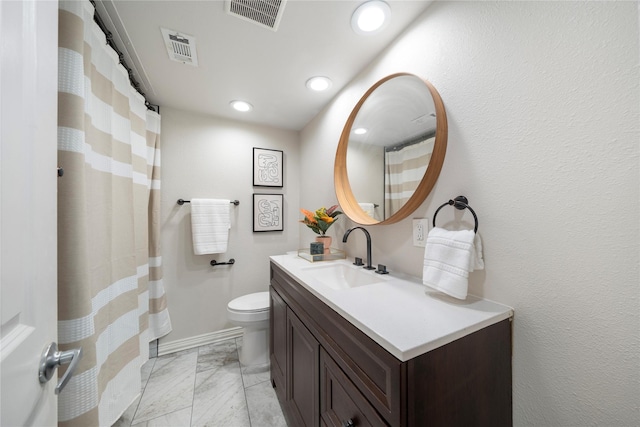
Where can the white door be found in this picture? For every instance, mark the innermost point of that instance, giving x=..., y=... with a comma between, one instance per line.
x=28, y=186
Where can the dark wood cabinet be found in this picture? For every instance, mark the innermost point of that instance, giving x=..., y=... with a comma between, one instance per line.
x=326, y=372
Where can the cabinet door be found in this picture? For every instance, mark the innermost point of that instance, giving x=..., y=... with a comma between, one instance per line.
x=302, y=368
x=278, y=344
x=341, y=404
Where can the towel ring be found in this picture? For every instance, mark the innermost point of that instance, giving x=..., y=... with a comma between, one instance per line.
x=460, y=203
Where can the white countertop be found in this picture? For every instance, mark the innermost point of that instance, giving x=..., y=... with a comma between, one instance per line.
x=399, y=313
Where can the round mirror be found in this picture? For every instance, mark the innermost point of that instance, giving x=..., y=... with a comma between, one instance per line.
x=391, y=150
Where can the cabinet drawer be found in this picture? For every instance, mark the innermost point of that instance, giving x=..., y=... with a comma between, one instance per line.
x=374, y=372
x=341, y=404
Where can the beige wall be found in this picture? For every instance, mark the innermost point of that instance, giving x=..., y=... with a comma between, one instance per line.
x=206, y=157
x=543, y=105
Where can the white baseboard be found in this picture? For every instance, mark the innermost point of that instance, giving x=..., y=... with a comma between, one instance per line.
x=197, y=341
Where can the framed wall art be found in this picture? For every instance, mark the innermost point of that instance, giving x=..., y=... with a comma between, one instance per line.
x=267, y=167
x=267, y=212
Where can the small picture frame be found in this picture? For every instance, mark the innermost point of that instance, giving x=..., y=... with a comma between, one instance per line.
x=267, y=167
x=268, y=212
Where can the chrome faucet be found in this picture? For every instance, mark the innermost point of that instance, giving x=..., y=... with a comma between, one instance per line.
x=366, y=233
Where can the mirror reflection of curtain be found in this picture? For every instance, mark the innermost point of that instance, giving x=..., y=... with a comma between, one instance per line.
x=111, y=299
x=404, y=168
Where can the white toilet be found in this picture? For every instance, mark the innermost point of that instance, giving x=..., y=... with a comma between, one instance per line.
x=252, y=313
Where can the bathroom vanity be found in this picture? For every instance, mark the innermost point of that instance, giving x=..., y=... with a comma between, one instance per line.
x=349, y=348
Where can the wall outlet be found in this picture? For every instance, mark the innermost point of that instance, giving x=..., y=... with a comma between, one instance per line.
x=420, y=230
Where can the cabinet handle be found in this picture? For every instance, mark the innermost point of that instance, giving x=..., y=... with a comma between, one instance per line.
x=348, y=423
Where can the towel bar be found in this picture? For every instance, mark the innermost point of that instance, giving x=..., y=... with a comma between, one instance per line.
x=230, y=262
x=182, y=202
x=460, y=203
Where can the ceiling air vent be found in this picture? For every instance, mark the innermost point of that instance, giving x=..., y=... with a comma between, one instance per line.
x=180, y=47
x=266, y=13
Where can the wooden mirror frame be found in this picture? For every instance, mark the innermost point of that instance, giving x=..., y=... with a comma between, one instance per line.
x=344, y=193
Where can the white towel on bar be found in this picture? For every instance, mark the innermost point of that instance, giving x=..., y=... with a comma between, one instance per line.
x=210, y=224
x=368, y=208
x=449, y=256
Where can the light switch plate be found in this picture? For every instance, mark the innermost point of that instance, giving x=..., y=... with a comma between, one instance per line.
x=420, y=230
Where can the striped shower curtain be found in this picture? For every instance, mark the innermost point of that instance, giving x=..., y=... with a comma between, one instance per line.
x=111, y=298
x=404, y=168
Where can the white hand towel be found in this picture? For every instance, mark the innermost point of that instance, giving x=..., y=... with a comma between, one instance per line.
x=210, y=224
x=449, y=256
x=368, y=208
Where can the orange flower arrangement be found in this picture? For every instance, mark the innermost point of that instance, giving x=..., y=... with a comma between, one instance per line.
x=320, y=220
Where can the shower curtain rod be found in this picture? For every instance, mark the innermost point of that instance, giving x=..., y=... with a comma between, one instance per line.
x=415, y=140
x=98, y=20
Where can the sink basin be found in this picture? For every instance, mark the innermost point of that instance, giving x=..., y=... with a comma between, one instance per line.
x=342, y=276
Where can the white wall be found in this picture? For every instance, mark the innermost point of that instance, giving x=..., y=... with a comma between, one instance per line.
x=367, y=173
x=206, y=157
x=543, y=103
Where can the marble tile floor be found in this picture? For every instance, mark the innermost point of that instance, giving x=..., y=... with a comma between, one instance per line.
x=205, y=386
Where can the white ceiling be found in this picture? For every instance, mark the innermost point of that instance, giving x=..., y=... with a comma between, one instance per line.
x=242, y=60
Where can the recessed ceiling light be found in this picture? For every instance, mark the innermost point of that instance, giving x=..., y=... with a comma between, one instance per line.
x=370, y=17
x=241, y=106
x=360, y=131
x=319, y=83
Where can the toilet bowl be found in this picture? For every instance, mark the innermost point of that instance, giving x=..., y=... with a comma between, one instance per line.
x=252, y=313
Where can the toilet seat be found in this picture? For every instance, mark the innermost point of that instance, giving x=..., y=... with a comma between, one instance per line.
x=250, y=303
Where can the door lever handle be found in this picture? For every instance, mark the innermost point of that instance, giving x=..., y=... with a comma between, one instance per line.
x=52, y=358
